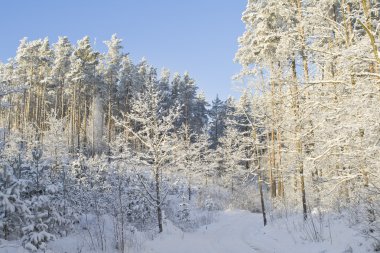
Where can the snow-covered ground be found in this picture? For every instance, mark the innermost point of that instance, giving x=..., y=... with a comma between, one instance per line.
x=234, y=231
x=230, y=233
x=242, y=231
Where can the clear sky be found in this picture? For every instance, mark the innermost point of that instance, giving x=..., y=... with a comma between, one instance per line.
x=199, y=36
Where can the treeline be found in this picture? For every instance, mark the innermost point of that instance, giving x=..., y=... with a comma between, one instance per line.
x=81, y=130
x=314, y=66
x=78, y=84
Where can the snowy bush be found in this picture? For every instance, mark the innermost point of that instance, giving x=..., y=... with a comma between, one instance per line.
x=183, y=217
x=36, y=236
x=14, y=211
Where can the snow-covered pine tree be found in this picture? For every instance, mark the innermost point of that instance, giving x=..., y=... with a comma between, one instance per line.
x=61, y=66
x=200, y=114
x=112, y=67
x=83, y=80
x=126, y=85
x=164, y=90
x=14, y=210
x=37, y=231
x=217, y=121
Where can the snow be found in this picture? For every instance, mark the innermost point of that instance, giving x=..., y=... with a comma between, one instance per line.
x=11, y=247
x=233, y=231
x=225, y=235
x=243, y=231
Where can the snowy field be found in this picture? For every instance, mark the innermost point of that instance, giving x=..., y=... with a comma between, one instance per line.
x=234, y=231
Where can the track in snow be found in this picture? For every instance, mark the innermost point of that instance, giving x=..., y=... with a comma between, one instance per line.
x=233, y=232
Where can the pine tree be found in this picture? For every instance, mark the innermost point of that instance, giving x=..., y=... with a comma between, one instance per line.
x=61, y=66
x=112, y=67
x=200, y=114
x=83, y=79
x=14, y=211
x=217, y=121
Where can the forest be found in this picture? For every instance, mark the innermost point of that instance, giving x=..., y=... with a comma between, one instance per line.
x=90, y=138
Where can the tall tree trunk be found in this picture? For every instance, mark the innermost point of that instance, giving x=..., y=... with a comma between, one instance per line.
x=43, y=108
x=296, y=110
x=56, y=104
x=281, y=190
x=272, y=155
x=62, y=101
x=189, y=188
x=109, y=117
x=258, y=154
x=73, y=110
x=93, y=127
x=158, y=199
x=85, y=122
x=78, y=124
x=120, y=190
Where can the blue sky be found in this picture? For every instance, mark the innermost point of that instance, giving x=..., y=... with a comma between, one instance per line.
x=199, y=36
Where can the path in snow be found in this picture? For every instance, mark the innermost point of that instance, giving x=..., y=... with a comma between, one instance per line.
x=243, y=232
x=232, y=233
